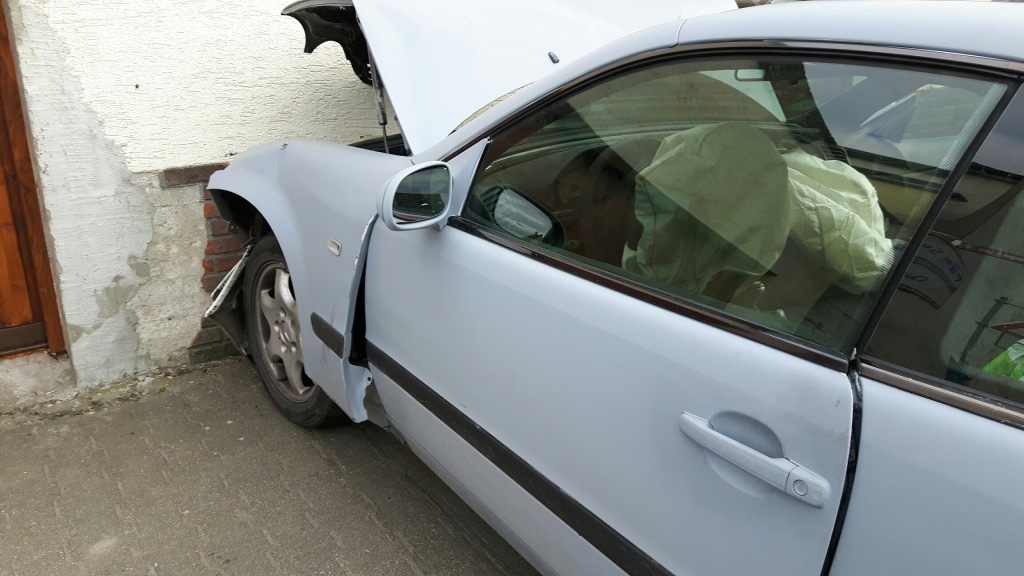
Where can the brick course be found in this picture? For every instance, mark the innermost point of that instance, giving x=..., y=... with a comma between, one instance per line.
x=188, y=175
x=216, y=227
x=210, y=281
x=223, y=244
x=210, y=210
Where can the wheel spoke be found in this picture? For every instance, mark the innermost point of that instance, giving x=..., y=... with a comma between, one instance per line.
x=276, y=357
x=268, y=307
x=293, y=368
x=283, y=289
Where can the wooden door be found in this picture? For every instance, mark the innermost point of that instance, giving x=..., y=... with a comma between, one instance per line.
x=29, y=317
x=21, y=322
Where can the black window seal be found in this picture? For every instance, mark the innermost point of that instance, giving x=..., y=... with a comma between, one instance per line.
x=900, y=267
x=908, y=59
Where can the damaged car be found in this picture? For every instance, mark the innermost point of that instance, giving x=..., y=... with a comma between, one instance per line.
x=678, y=289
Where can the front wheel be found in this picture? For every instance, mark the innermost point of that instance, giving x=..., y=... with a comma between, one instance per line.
x=272, y=326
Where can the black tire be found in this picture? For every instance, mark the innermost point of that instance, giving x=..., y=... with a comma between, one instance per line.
x=272, y=327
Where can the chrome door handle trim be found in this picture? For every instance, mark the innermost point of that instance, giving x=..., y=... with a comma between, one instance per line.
x=780, y=473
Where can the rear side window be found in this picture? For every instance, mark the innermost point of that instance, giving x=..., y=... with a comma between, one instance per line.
x=777, y=190
x=959, y=313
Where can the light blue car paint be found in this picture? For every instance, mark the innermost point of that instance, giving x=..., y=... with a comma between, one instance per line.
x=310, y=193
x=935, y=492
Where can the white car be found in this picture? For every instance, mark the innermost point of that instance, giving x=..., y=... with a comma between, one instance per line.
x=659, y=288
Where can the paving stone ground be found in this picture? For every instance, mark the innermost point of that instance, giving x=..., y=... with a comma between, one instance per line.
x=206, y=478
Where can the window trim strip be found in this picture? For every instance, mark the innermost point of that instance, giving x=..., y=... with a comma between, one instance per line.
x=991, y=69
x=944, y=393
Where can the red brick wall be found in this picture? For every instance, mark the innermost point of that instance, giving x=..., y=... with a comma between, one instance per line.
x=223, y=248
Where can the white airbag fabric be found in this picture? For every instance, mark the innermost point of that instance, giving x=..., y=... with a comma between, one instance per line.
x=836, y=218
x=708, y=173
x=721, y=197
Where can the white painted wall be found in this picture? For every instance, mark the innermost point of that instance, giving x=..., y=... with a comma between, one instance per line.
x=117, y=90
x=180, y=82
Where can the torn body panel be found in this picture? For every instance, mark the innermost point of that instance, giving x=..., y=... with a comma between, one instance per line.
x=226, y=308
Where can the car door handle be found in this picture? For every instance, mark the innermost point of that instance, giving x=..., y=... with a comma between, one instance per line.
x=781, y=473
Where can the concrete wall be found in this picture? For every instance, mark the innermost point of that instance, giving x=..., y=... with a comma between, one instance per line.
x=118, y=90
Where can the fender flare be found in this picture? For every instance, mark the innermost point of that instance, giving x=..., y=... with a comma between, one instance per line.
x=267, y=202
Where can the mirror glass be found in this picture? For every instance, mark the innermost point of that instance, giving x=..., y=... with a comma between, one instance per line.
x=422, y=195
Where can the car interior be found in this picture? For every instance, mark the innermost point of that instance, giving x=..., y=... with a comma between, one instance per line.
x=872, y=144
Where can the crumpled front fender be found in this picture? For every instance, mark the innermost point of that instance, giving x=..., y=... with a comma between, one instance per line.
x=319, y=200
x=248, y=196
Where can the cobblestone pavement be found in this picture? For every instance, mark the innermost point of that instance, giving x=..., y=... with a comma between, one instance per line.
x=206, y=478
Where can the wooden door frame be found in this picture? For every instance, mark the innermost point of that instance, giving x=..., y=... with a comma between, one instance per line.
x=21, y=180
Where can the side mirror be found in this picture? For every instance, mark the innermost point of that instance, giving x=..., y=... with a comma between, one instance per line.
x=417, y=197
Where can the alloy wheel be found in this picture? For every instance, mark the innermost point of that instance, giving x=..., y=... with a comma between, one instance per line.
x=278, y=329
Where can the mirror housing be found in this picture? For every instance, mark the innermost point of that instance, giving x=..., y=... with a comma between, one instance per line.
x=417, y=197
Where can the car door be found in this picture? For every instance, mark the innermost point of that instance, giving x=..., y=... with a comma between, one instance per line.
x=643, y=316
x=942, y=449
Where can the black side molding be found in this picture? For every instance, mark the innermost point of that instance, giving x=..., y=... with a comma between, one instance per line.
x=331, y=337
x=626, y=555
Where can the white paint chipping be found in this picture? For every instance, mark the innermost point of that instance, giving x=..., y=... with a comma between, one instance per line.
x=117, y=90
x=97, y=219
x=172, y=276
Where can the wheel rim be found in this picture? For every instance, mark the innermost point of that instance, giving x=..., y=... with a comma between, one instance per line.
x=278, y=327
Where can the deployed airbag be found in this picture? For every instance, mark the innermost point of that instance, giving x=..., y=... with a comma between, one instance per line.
x=714, y=198
x=836, y=219
x=720, y=197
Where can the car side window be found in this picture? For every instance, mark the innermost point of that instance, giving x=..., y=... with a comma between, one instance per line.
x=778, y=190
x=959, y=313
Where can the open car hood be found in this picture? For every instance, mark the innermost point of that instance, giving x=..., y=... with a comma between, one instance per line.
x=444, y=60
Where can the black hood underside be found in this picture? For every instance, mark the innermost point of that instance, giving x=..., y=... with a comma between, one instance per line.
x=327, y=20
